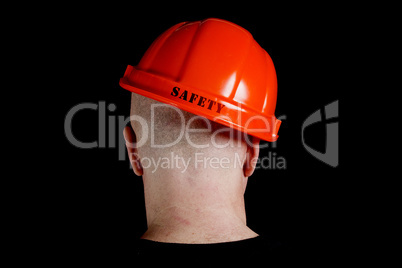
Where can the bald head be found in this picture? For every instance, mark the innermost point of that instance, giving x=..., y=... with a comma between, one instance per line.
x=170, y=140
x=162, y=126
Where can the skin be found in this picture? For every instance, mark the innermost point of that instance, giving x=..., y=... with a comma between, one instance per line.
x=197, y=203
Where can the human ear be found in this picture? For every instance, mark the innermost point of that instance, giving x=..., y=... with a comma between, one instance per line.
x=253, y=150
x=131, y=143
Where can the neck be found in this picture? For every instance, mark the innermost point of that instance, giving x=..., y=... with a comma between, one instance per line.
x=195, y=210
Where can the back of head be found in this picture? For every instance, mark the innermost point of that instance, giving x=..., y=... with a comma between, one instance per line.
x=183, y=142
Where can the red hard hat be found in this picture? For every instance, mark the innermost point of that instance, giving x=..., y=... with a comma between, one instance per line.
x=212, y=68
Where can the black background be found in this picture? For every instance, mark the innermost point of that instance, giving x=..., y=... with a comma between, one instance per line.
x=100, y=208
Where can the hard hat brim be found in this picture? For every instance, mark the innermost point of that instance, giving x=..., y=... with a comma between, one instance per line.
x=236, y=116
